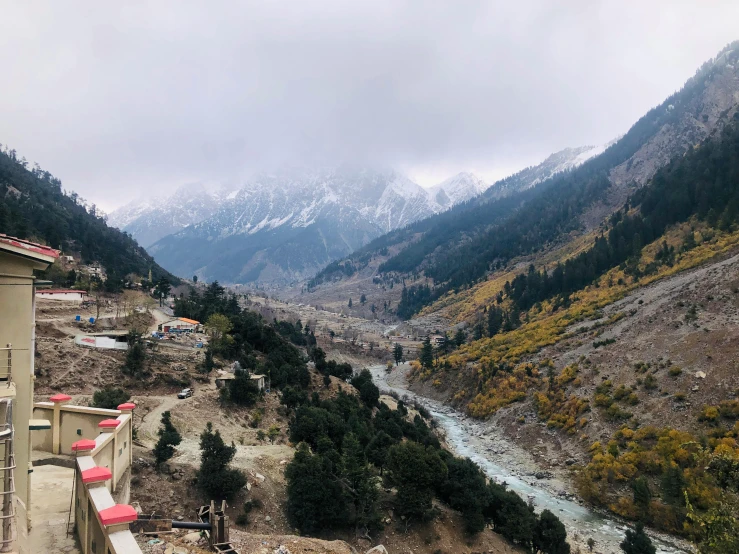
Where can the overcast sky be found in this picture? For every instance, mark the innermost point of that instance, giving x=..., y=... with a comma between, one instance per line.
x=120, y=99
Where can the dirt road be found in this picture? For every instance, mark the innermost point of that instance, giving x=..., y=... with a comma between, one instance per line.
x=151, y=421
x=159, y=318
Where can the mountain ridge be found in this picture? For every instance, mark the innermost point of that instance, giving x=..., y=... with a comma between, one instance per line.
x=329, y=213
x=455, y=250
x=35, y=207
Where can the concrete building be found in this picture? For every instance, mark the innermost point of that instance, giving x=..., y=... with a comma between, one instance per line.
x=94, y=270
x=18, y=260
x=259, y=380
x=19, y=421
x=224, y=377
x=67, y=295
x=113, y=340
x=180, y=324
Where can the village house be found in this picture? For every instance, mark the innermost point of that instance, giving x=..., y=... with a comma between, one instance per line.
x=224, y=377
x=437, y=340
x=66, y=295
x=94, y=270
x=181, y=324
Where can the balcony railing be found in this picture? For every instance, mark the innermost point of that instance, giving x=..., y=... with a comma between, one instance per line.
x=6, y=362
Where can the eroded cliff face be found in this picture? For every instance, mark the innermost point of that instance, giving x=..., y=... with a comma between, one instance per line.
x=713, y=104
x=704, y=106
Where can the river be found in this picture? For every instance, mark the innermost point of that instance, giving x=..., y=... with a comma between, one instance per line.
x=469, y=438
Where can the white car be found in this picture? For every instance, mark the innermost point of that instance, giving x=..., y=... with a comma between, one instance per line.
x=185, y=393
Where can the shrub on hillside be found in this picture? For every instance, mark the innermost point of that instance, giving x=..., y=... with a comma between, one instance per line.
x=109, y=398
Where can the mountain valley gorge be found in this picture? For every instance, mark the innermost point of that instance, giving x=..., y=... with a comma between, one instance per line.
x=543, y=364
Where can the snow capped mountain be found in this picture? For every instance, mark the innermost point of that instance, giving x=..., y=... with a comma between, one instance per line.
x=457, y=189
x=125, y=215
x=558, y=162
x=284, y=226
x=150, y=219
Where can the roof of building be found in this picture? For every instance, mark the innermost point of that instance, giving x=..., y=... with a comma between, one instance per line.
x=28, y=249
x=184, y=319
x=59, y=291
x=229, y=376
x=188, y=320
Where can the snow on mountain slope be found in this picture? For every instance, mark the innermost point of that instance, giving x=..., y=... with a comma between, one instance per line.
x=150, y=219
x=285, y=226
x=457, y=189
x=564, y=160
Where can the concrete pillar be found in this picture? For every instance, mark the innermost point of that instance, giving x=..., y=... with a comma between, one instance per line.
x=81, y=448
x=109, y=426
x=56, y=423
x=128, y=408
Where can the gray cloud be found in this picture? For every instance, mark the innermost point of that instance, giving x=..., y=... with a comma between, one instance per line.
x=120, y=100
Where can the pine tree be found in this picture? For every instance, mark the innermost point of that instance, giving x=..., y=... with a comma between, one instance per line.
x=208, y=364
x=135, y=357
x=398, y=353
x=427, y=354
x=169, y=437
x=550, y=535
x=241, y=390
x=215, y=478
x=315, y=499
x=637, y=541
x=495, y=320
x=416, y=471
x=673, y=484
x=642, y=496
x=109, y=398
x=362, y=492
x=377, y=449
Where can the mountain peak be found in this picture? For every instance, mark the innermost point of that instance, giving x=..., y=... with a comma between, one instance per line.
x=458, y=188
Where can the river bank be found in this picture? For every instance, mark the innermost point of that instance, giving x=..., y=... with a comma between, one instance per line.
x=504, y=461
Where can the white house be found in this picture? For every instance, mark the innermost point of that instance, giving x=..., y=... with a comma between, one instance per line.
x=67, y=295
x=114, y=340
x=180, y=324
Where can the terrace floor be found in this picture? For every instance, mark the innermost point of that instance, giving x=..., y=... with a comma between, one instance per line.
x=51, y=494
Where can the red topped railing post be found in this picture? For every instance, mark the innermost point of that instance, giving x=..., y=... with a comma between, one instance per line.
x=56, y=423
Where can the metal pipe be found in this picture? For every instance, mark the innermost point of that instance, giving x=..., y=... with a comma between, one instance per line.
x=190, y=525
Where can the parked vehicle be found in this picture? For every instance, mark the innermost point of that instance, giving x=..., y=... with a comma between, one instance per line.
x=185, y=393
